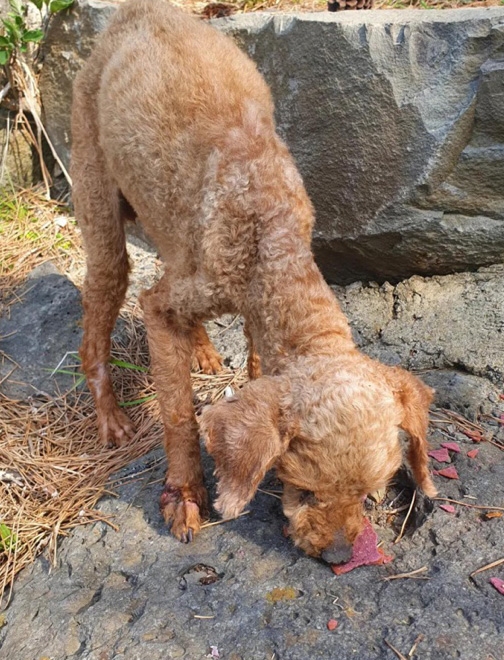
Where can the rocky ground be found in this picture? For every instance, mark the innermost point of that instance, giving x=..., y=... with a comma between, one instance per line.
x=241, y=590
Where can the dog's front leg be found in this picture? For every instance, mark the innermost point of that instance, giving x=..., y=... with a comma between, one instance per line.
x=184, y=498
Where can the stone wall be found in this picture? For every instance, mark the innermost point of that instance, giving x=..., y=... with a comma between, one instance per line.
x=396, y=119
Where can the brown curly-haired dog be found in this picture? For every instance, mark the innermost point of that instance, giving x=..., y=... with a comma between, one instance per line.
x=171, y=121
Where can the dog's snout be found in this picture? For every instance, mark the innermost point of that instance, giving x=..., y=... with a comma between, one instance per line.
x=339, y=551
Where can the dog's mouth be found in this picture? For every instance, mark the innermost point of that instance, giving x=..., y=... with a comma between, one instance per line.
x=339, y=552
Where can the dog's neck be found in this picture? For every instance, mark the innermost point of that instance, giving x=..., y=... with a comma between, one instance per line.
x=291, y=311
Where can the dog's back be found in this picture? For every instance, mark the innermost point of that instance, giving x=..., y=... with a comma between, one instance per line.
x=165, y=92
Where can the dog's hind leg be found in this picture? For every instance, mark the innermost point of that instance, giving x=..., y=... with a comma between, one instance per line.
x=97, y=209
x=205, y=356
x=253, y=359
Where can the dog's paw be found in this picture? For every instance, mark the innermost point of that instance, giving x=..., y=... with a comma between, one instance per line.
x=207, y=359
x=183, y=509
x=114, y=427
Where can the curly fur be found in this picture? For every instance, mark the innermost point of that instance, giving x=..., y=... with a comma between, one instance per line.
x=173, y=124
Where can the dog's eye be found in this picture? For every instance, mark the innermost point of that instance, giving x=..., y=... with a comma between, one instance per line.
x=307, y=497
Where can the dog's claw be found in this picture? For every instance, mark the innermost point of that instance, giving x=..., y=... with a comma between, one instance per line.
x=182, y=512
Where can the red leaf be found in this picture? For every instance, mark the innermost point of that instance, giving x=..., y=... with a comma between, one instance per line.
x=447, y=507
x=452, y=446
x=473, y=453
x=440, y=455
x=449, y=472
x=501, y=419
x=498, y=584
x=501, y=396
x=332, y=624
x=475, y=437
x=365, y=552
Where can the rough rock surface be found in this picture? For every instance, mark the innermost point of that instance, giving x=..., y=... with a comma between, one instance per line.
x=20, y=166
x=449, y=328
x=41, y=327
x=395, y=119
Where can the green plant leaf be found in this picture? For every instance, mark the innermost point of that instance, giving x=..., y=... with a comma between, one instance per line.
x=38, y=3
x=4, y=42
x=4, y=57
x=13, y=33
x=15, y=5
x=33, y=36
x=137, y=402
x=128, y=365
x=59, y=5
x=7, y=538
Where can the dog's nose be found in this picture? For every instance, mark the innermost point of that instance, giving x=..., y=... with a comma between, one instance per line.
x=339, y=552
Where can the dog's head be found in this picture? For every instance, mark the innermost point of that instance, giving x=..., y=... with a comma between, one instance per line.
x=332, y=437
x=331, y=440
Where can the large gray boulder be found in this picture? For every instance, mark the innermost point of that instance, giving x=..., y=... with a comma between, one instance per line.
x=394, y=117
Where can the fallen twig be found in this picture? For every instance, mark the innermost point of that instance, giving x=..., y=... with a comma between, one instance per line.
x=269, y=492
x=411, y=574
x=469, y=506
x=393, y=648
x=224, y=520
x=403, y=526
x=493, y=564
x=203, y=616
x=415, y=645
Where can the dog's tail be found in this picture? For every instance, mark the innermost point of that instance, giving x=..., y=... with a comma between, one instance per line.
x=416, y=398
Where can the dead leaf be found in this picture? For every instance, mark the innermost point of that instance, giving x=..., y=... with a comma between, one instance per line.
x=448, y=508
x=332, y=624
x=473, y=453
x=492, y=514
x=448, y=473
x=217, y=10
x=365, y=552
x=475, y=437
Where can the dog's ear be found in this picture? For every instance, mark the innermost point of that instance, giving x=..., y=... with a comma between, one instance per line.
x=245, y=434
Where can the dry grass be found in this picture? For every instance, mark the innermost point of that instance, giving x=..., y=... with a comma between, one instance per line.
x=53, y=469
x=245, y=6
